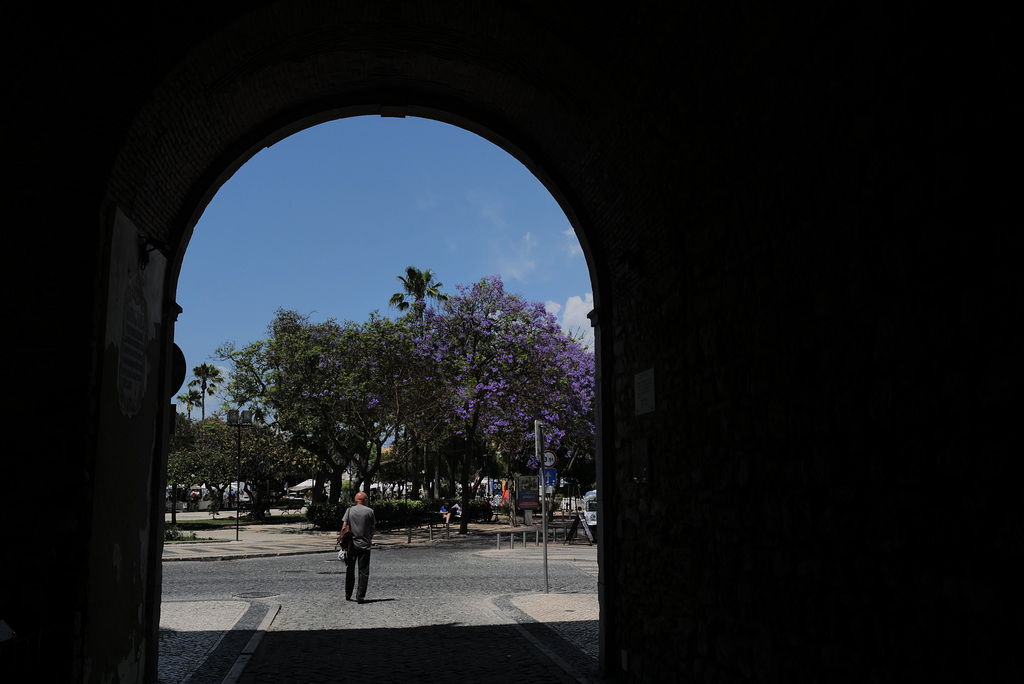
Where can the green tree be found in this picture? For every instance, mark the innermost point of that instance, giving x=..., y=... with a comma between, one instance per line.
x=207, y=377
x=200, y=453
x=182, y=458
x=467, y=381
x=283, y=380
x=418, y=286
x=217, y=465
x=267, y=456
x=368, y=373
x=190, y=399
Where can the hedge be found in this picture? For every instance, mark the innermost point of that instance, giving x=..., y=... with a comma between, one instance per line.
x=390, y=513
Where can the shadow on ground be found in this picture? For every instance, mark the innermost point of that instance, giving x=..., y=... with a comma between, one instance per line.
x=500, y=654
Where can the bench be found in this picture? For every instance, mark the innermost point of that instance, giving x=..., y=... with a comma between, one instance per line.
x=437, y=520
x=293, y=505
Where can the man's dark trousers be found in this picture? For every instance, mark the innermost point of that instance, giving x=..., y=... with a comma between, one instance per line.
x=360, y=557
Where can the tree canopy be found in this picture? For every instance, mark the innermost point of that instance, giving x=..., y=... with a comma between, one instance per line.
x=207, y=378
x=210, y=452
x=418, y=286
x=500, y=363
x=468, y=377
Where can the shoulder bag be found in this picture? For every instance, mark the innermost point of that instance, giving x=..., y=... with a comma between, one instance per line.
x=345, y=538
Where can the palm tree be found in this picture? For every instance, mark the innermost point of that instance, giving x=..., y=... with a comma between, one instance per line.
x=207, y=377
x=419, y=286
x=191, y=399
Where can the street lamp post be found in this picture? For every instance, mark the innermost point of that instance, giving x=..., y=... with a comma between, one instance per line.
x=538, y=434
x=405, y=489
x=239, y=420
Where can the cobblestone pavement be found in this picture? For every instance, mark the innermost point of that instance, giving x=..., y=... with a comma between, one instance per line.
x=201, y=641
x=252, y=639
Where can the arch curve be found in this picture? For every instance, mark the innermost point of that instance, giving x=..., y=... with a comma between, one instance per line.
x=287, y=66
x=222, y=169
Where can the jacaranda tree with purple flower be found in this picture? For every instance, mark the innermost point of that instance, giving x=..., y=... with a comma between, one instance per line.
x=498, y=363
x=473, y=375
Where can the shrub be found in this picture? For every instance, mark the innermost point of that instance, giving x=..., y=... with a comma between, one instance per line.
x=326, y=516
x=174, y=533
x=389, y=513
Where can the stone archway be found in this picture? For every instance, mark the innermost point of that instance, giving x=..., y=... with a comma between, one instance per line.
x=213, y=113
x=802, y=411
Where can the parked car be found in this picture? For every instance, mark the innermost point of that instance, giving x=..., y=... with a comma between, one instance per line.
x=590, y=507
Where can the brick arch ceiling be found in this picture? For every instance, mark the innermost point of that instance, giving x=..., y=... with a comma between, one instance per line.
x=527, y=83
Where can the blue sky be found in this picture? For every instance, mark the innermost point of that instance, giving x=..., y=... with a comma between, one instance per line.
x=324, y=221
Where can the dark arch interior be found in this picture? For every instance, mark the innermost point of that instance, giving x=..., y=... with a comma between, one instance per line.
x=809, y=371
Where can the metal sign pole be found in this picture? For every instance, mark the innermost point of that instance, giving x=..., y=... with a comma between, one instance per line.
x=543, y=503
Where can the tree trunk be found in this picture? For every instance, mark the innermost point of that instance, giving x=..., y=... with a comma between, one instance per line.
x=413, y=487
x=435, y=461
x=467, y=456
x=373, y=464
x=413, y=465
x=337, y=474
x=258, y=503
x=453, y=462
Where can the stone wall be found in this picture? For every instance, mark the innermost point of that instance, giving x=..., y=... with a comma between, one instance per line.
x=827, y=498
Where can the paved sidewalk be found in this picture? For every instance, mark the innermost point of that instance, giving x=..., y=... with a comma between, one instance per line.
x=198, y=628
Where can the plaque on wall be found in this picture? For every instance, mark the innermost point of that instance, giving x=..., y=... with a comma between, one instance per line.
x=131, y=359
x=643, y=391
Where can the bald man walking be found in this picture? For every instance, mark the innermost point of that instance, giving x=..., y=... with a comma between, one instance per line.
x=361, y=521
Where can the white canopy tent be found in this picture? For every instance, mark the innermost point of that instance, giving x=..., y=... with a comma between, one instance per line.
x=306, y=486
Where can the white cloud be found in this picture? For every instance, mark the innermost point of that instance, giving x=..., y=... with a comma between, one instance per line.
x=576, y=310
x=574, y=316
x=492, y=212
x=517, y=260
x=489, y=208
x=573, y=246
x=513, y=259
